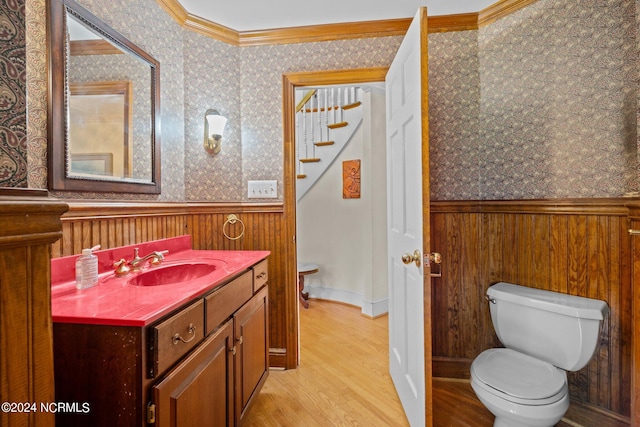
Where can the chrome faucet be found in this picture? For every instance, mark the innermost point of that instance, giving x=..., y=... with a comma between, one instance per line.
x=154, y=258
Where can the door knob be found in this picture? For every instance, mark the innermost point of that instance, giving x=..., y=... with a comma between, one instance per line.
x=408, y=258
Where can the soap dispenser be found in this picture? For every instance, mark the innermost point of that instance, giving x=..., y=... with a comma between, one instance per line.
x=87, y=269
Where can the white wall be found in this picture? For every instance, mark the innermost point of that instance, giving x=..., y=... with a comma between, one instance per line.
x=346, y=238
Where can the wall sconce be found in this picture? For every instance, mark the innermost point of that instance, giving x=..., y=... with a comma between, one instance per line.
x=214, y=125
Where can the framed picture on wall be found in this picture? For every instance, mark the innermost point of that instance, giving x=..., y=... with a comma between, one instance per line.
x=351, y=179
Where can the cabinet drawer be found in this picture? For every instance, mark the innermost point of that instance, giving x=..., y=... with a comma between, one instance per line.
x=223, y=302
x=174, y=337
x=199, y=390
x=260, y=275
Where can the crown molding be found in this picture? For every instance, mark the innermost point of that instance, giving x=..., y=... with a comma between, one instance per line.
x=174, y=9
x=449, y=23
x=199, y=25
x=342, y=31
x=213, y=30
x=501, y=9
x=326, y=32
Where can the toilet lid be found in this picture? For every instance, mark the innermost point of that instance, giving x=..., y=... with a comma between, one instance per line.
x=517, y=374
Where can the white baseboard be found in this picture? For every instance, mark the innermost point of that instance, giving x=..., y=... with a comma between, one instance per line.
x=375, y=308
x=369, y=308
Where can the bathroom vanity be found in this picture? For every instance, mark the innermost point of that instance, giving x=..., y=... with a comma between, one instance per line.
x=183, y=343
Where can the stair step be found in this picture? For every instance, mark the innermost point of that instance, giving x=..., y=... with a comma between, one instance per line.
x=338, y=125
x=310, y=160
x=330, y=154
x=323, y=143
x=322, y=109
x=301, y=176
x=350, y=106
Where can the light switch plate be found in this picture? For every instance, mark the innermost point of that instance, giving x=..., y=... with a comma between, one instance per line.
x=264, y=189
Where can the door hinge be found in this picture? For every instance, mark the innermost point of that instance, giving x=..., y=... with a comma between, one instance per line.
x=151, y=413
x=431, y=260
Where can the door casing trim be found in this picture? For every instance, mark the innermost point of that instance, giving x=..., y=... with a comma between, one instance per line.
x=290, y=81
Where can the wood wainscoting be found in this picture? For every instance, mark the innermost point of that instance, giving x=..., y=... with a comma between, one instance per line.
x=580, y=247
x=29, y=224
x=116, y=224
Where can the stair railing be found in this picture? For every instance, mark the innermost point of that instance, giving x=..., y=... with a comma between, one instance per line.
x=318, y=111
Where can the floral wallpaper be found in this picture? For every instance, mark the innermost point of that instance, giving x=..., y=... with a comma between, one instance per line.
x=559, y=87
x=454, y=116
x=212, y=80
x=13, y=98
x=540, y=104
x=245, y=85
x=261, y=91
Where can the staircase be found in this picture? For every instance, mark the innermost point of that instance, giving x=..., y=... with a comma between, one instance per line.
x=326, y=119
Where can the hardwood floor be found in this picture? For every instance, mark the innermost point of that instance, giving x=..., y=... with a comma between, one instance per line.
x=343, y=379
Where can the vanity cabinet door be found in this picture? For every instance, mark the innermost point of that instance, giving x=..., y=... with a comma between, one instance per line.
x=199, y=390
x=252, y=349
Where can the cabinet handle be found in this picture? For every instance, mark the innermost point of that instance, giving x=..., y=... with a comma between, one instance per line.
x=192, y=331
x=262, y=275
x=233, y=349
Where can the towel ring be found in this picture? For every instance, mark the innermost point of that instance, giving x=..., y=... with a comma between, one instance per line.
x=232, y=219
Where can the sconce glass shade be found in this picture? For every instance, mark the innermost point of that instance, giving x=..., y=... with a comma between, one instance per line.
x=214, y=125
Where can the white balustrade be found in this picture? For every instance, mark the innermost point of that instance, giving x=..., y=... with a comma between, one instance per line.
x=312, y=125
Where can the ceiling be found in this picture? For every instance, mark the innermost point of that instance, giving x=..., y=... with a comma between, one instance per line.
x=250, y=15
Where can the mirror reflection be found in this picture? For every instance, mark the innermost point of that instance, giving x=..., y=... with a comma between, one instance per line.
x=109, y=132
x=99, y=124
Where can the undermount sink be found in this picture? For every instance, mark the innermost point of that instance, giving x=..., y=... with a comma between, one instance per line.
x=172, y=274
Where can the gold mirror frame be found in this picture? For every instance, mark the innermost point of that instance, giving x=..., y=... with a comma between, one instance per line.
x=59, y=156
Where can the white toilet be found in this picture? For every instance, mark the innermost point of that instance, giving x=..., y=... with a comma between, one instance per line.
x=545, y=334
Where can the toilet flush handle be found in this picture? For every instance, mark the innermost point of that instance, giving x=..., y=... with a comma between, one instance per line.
x=491, y=300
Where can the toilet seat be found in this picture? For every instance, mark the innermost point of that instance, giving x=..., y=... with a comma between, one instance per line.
x=518, y=378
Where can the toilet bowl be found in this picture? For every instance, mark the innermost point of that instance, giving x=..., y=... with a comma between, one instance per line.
x=518, y=389
x=545, y=334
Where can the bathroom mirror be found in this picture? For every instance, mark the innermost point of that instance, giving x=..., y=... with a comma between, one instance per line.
x=103, y=109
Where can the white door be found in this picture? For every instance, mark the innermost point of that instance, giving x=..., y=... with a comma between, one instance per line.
x=408, y=224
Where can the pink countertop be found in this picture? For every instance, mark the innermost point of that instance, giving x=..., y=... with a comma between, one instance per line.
x=113, y=301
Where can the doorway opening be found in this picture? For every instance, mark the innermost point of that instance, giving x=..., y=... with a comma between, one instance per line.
x=341, y=194
x=407, y=148
x=291, y=81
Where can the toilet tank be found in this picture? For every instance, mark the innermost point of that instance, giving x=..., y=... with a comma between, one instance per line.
x=558, y=328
